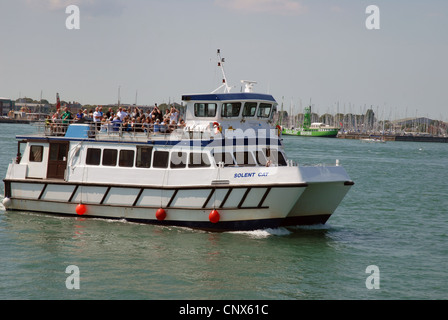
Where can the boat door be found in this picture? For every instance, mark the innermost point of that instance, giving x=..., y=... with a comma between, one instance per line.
x=57, y=160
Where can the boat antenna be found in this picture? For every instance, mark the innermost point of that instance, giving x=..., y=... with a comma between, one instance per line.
x=224, y=79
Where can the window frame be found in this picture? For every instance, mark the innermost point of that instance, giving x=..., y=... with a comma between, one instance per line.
x=203, y=163
x=233, y=104
x=263, y=106
x=148, y=150
x=206, y=110
x=32, y=155
x=244, y=109
x=155, y=159
x=110, y=162
x=126, y=161
x=183, y=159
x=90, y=157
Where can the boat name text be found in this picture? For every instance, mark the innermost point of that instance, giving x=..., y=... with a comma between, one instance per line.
x=250, y=174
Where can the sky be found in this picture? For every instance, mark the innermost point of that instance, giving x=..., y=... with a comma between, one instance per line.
x=300, y=51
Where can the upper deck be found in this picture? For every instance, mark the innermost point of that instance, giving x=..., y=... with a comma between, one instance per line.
x=207, y=117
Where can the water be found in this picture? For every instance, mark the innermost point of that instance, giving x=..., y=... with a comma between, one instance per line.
x=395, y=217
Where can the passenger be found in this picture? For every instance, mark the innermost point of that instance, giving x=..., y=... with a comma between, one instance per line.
x=172, y=126
x=56, y=121
x=104, y=124
x=66, y=117
x=174, y=113
x=109, y=113
x=157, y=126
x=116, y=123
x=163, y=127
x=122, y=113
x=157, y=114
x=79, y=115
x=147, y=125
x=97, y=117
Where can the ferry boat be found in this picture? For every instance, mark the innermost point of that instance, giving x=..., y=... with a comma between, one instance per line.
x=315, y=129
x=225, y=170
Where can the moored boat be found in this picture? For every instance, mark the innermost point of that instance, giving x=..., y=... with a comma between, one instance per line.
x=315, y=129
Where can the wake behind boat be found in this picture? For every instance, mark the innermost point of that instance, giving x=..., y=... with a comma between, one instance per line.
x=226, y=169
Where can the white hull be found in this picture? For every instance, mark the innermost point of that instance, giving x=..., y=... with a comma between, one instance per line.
x=241, y=206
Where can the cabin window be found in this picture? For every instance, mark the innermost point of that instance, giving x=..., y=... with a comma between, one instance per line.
x=126, y=158
x=205, y=109
x=225, y=157
x=160, y=159
x=275, y=156
x=264, y=111
x=143, y=159
x=244, y=158
x=110, y=157
x=199, y=159
x=36, y=153
x=93, y=157
x=249, y=109
x=260, y=157
x=178, y=160
x=231, y=109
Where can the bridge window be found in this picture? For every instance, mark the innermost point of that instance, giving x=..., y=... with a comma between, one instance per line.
x=264, y=111
x=205, y=110
x=231, y=109
x=249, y=109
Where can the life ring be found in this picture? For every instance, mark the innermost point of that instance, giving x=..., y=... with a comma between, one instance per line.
x=218, y=128
x=279, y=130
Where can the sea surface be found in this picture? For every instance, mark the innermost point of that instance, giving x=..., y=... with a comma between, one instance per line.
x=388, y=239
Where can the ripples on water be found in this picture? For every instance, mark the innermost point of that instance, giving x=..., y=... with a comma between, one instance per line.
x=394, y=217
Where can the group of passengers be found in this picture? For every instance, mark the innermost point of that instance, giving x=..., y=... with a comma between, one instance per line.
x=125, y=119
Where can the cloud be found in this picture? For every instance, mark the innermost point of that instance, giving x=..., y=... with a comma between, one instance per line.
x=278, y=7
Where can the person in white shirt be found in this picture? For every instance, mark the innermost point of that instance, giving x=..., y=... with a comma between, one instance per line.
x=174, y=113
x=97, y=116
x=121, y=113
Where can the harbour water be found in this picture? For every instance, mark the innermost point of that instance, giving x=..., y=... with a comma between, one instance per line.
x=395, y=217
